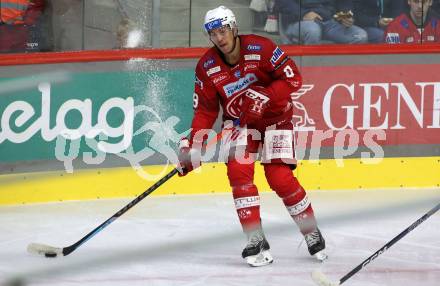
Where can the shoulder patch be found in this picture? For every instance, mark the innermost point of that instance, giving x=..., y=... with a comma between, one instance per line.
x=276, y=56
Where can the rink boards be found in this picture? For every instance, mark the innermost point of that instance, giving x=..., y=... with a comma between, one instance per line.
x=385, y=107
x=391, y=173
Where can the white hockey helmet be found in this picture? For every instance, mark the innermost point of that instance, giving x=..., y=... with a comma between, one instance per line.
x=219, y=17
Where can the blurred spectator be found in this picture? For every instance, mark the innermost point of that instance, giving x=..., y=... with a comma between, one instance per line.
x=289, y=13
x=67, y=18
x=375, y=15
x=330, y=20
x=20, y=25
x=258, y=5
x=265, y=16
x=271, y=25
x=419, y=25
x=259, y=8
x=436, y=8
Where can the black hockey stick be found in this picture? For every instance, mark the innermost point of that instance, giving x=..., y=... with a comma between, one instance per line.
x=50, y=251
x=322, y=280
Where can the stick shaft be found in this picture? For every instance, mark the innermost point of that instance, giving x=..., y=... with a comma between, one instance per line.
x=67, y=250
x=390, y=243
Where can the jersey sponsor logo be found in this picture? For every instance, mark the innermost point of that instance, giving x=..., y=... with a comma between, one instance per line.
x=213, y=70
x=276, y=55
x=199, y=82
x=392, y=38
x=208, y=62
x=220, y=78
x=240, y=84
x=252, y=57
x=257, y=96
x=250, y=66
x=278, y=144
x=251, y=47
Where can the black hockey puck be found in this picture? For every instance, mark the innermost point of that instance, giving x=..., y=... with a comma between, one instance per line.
x=50, y=254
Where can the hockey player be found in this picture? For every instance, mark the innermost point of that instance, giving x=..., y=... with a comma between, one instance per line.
x=418, y=26
x=251, y=79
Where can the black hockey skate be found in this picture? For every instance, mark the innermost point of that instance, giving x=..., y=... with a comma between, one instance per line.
x=256, y=253
x=316, y=244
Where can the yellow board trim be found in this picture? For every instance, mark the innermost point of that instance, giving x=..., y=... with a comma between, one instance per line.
x=411, y=172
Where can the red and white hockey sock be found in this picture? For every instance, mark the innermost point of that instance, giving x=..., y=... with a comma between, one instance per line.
x=247, y=204
x=287, y=187
x=300, y=208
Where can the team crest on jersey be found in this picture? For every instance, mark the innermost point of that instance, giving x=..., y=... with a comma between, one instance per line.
x=237, y=74
x=251, y=47
x=239, y=85
x=252, y=57
x=233, y=106
x=208, y=62
x=276, y=56
x=213, y=70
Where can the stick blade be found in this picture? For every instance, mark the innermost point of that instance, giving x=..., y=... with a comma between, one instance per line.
x=320, y=279
x=45, y=250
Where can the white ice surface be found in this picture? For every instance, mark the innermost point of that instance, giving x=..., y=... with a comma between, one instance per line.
x=197, y=240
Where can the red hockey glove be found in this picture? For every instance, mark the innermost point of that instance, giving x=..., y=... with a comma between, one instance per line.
x=189, y=158
x=254, y=103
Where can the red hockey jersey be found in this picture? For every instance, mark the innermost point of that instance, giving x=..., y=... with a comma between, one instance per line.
x=262, y=63
x=403, y=30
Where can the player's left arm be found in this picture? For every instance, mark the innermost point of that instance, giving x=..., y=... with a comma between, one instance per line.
x=283, y=70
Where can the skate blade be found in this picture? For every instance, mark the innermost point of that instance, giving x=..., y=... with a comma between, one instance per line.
x=321, y=256
x=261, y=259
